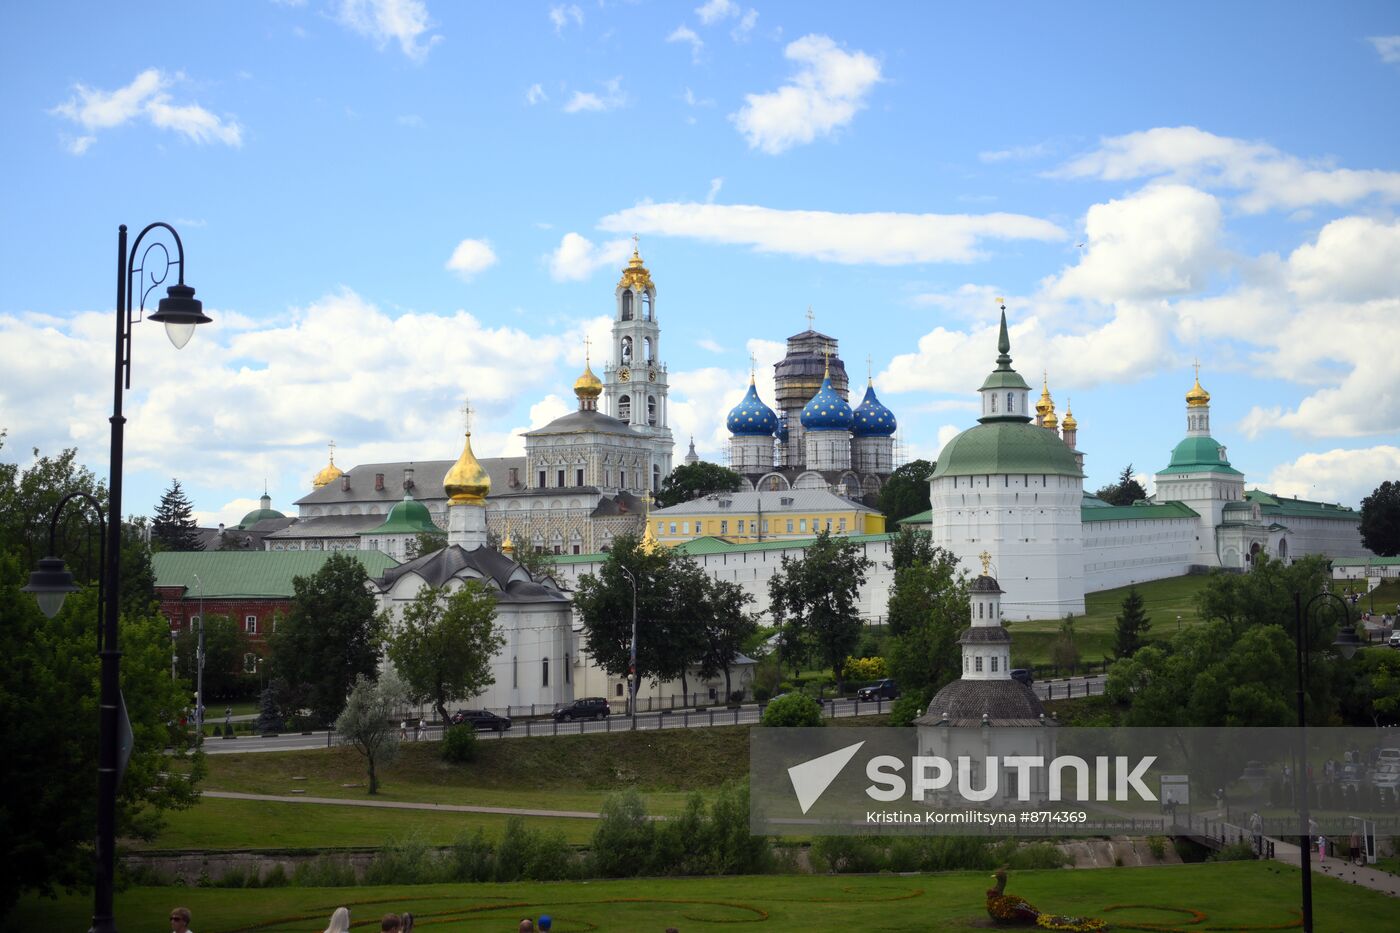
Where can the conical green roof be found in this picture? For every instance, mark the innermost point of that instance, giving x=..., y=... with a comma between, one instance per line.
x=408, y=517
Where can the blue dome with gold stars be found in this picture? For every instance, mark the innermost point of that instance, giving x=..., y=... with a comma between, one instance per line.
x=827, y=411
x=873, y=419
x=751, y=418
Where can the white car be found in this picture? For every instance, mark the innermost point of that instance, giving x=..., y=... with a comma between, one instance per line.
x=1394, y=640
x=1387, y=776
x=1388, y=756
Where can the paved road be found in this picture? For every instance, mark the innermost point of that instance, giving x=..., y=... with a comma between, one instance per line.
x=678, y=719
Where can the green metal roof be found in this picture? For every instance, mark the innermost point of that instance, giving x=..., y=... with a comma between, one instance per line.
x=1198, y=455
x=1272, y=505
x=1006, y=447
x=1366, y=562
x=408, y=517
x=1091, y=501
x=919, y=518
x=1138, y=511
x=709, y=544
x=1004, y=379
x=257, y=515
x=226, y=574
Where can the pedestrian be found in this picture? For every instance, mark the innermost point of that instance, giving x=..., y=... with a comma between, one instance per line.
x=527, y=926
x=406, y=924
x=403, y=728
x=1354, y=848
x=418, y=729
x=340, y=921
x=1256, y=828
x=545, y=923
x=390, y=923
x=228, y=715
x=179, y=920
x=1321, y=849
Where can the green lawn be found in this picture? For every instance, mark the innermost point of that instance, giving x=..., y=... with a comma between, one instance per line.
x=1232, y=896
x=1163, y=601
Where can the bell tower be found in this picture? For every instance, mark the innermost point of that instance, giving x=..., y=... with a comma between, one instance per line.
x=634, y=382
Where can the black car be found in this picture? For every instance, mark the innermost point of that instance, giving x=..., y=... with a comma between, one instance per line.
x=1023, y=675
x=481, y=719
x=885, y=689
x=584, y=708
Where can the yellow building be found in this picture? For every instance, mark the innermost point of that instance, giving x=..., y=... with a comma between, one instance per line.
x=743, y=517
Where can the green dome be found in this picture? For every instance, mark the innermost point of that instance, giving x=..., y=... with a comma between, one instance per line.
x=257, y=515
x=1006, y=447
x=408, y=517
x=1199, y=455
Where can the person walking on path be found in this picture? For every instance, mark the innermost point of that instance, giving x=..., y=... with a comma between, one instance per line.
x=340, y=921
x=1321, y=849
x=403, y=728
x=545, y=923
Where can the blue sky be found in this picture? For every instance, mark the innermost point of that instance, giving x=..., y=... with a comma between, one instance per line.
x=391, y=205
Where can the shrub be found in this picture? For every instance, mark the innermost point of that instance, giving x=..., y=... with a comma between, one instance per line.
x=471, y=858
x=1235, y=852
x=404, y=861
x=795, y=709
x=1037, y=855
x=624, y=840
x=277, y=878
x=908, y=708
x=761, y=694
x=324, y=871
x=733, y=850
x=865, y=669
x=847, y=854
x=1157, y=846
x=458, y=744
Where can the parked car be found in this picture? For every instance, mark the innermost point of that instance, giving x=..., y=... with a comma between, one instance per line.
x=885, y=689
x=1023, y=675
x=1394, y=640
x=483, y=720
x=1387, y=776
x=1388, y=756
x=583, y=708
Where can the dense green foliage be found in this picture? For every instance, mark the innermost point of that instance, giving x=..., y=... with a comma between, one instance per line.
x=627, y=843
x=173, y=526
x=224, y=647
x=814, y=600
x=693, y=480
x=928, y=608
x=1124, y=492
x=867, y=854
x=727, y=628
x=793, y=709
x=1130, y=626
x=367, y=721
x=1380, y=519
x=458, y=743
x=444, y=644
x=330, y=637
x=906, y=492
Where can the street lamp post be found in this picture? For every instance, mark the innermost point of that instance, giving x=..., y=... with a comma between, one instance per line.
x=635, y=681
x=199, y=669
x=180, y=312
x=1346, y=644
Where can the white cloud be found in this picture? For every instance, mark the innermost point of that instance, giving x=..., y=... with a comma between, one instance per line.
x=471, y=257
x=611, y=98
x=715, y=185
x=1388, y=47
x=705, y=343
x=1267, y=178
x=409, y=119
x=686, y=34
x=878, y=238
x=715, y=10
x=145, y=97
x=1342, y=476
x=1018, y=153
x=1353, y=259
x=401, y=21
x=561, y=15
x=577, y=258
x=742, y=31
x=1159, y=241
x=535, y=94
x=946, y=433
x=828, y=89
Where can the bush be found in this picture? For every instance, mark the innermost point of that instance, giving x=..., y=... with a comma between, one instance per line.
x=458, y=744
x=733, y=850
x=1037, y=855
x=404, y=861
x=908, y=708
x=471, y=858
x=848, y=854
x=795, y=709
x=324, y=871
x=865, y=669
x=761, y=694
x=1157, y=845
x=1240, y=851
x=624, y=840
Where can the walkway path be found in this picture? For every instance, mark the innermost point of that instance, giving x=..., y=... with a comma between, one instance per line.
x=399, y=804
x=1341, y=869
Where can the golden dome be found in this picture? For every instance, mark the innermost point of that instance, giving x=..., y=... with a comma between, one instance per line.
x=329, y=475
x=507, y=546
x=635, y=275
x=1197, y=397
x=467, y=481
x=649, y=543
x=1046, y=405
x=1051, y=420
x=1069, y=424
x=588, y=385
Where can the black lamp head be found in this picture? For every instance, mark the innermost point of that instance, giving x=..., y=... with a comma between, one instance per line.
x=50, y=584
x=180, y=311
x=1347, y=641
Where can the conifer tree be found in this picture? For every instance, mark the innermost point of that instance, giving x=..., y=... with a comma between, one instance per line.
x=173, y=528
x=1132, y=625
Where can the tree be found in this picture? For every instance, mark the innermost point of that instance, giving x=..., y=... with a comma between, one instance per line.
x=331, y=635
x=1124, y=492
x=1380, y=519
x=445, y=644
x=1131, y=626
x=367, y=722
x=426, y=542
x=727, y=627
x=910, y=547
x=693, y=480
x=670, y=611
x=173, y=528
x=224, y=647
x=816, y=595
x=928, y=609
x=49, y=703
x=1064, y=652
x=27, y=500
x=793, y=709
x=906, y=492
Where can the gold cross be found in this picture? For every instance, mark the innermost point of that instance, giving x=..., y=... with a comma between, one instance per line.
x=1197, y=364
x=467, y=416
x=986, y=563
x=587, y=350
x=810, y=317
x=332, y=447
x=826, y=353
x=634, y=242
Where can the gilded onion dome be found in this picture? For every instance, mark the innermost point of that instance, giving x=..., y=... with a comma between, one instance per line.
x=1046, y=405
x=467, y=481
x=872, y=418
x=329, y=475
x=635, y=275
x=1051, y=421
x=751, y=418
x=588, y=385
x=507, y=546
x=1197, y=397
x=827, y=411
x=1069, y=424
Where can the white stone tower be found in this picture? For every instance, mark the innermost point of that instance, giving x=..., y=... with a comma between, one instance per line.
x=634, y=384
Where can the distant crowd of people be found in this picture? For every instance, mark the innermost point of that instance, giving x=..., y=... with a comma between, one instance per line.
x=390, y=923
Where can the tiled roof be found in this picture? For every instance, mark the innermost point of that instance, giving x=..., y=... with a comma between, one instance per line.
x=514, y=584
x=1300, y=508
x=1006, y=447
x=1138, y=511
x=427, y=481
x=227, y=574
x=799, y=500
x=1004, y=702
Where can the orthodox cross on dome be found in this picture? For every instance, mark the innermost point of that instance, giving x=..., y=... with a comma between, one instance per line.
x=869, y=369
x=467, y=416
x=1197, y=365
x=331, y=445
x=587, y=351
x=811, y=317
x=826, y=355
x=635, y=242
x=753, y=367
x=986, y=563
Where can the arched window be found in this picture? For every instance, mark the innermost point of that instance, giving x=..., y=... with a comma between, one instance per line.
x=624, y=408
x=626, y=349
x=994, y=403
x=1010, y=403
x=647, y=308
x=627, y=305
x=646, y=347
x=651, y=410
